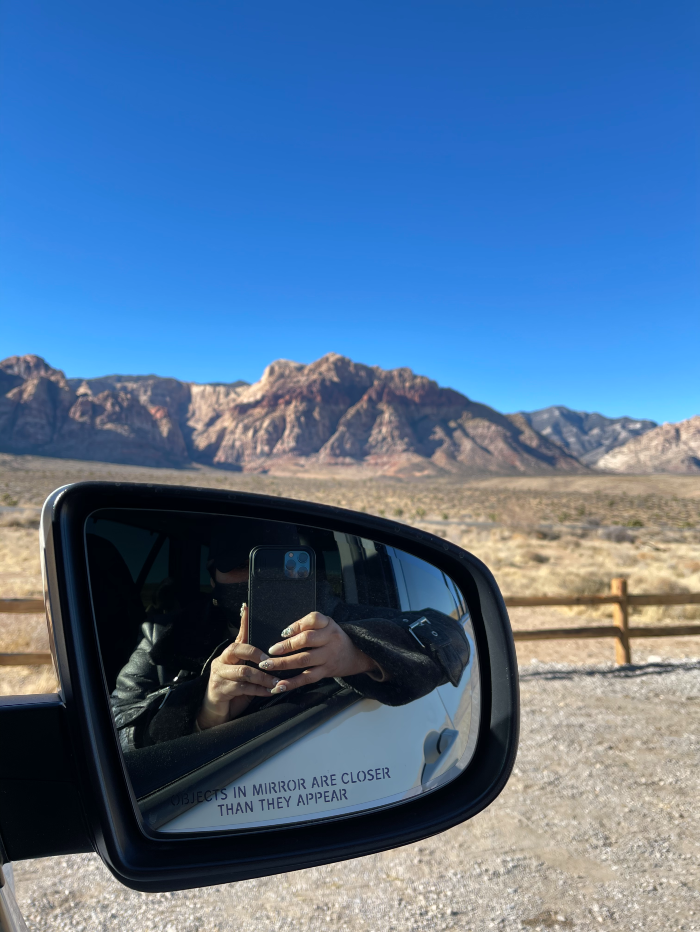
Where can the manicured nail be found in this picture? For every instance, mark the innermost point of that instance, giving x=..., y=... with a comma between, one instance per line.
x=286, y=632
x=277, y=649
x=265, y=664
x=264, y=657
x=280, y=688
x=244, y=606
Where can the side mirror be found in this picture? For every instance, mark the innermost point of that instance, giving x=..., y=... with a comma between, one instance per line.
x=187, y=753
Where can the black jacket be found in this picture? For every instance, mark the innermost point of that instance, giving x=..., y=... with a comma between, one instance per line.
x=160, y=690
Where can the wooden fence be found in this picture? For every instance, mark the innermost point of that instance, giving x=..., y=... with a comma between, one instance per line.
x=17, y=658
x=618, y=598
x=620, y=630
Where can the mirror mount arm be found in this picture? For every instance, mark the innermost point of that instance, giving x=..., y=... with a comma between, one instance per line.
x=40, y=801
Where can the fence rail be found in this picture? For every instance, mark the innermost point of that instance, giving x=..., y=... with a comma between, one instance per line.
x=21, y=605
x=17, y=658
x=620, y=630
x=618, y=598
x=646, y=599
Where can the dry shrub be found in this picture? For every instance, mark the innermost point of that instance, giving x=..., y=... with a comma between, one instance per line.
x=579, y=584
x=19, y=558
x=22, y=518
x=692, y=613
x=655, y=583
x=661, y=583
x=546, y=534
x=656, y=615
x=20, y=681
x=20, y=632
x=536, y=557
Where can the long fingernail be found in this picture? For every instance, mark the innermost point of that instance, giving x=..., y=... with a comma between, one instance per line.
x=280, y=688
x=265, y=664
x=265, y=657
x=276, y=649
x=243, y=608
x=286, y=632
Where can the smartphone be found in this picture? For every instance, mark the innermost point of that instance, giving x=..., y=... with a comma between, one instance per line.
x=281, y=590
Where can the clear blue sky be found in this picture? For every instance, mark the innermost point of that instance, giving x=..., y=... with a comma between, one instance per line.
x=501, y=195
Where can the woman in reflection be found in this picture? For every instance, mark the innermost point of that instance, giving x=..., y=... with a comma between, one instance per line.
x=194, y=669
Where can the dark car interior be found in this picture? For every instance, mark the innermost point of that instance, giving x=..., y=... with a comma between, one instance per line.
x=148, y=564
x=144, y=565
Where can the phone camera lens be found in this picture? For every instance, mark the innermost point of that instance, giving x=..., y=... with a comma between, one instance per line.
x=302, y=573
x=290, y=565
x=303, y=557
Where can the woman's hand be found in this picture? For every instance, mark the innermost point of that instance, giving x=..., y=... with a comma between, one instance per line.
x=233, y=683
x=324, y=651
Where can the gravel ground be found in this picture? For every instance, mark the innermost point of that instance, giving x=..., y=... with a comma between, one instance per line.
x=597, y=830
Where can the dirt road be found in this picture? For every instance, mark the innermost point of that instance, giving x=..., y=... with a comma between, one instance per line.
x=597, y=830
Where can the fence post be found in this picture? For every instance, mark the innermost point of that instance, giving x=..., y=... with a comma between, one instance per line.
x=623, y=654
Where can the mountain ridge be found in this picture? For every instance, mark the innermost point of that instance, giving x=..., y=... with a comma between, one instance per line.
x=330, y=413
x=586, y=435
x=668, y=448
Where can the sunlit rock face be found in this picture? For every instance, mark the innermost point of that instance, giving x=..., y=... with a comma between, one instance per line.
x=123, y=419
x=329, y=414
x=668, y=448
x=335, y=412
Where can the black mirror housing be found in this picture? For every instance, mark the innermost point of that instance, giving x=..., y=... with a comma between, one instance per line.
x=101, y=811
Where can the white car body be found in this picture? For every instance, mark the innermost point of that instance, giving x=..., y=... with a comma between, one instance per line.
x=329, y=772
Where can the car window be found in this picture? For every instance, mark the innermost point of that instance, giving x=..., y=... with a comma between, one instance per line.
x=423, y=586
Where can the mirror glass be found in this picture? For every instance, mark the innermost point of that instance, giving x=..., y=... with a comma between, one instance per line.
x=263, y=673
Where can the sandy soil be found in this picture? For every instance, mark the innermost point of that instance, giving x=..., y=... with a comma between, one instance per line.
x=596, y=830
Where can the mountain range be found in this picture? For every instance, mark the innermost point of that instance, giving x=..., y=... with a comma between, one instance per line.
x=333, y=413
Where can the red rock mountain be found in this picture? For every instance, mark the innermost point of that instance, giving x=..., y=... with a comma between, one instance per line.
x=331, y=413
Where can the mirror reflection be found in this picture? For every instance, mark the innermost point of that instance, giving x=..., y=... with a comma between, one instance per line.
x=262, y=673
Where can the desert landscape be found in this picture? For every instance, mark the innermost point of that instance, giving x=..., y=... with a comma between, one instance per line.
x=436, y=268
x=556, y=535
x=594, y=830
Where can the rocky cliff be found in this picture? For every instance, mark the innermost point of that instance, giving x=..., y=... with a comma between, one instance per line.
x=145, y=420
x=668, y=448
x=583, y=434
x=337, y=412
x=331, y=413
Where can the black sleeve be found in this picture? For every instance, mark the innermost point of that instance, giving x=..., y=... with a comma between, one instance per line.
x=176, y=714
x=411, y=670
x=145, y=710
x=410, y=673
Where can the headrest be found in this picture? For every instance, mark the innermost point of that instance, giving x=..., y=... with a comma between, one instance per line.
x=232, y=542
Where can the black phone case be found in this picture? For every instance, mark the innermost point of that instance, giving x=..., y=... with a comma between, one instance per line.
x=275, y=600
